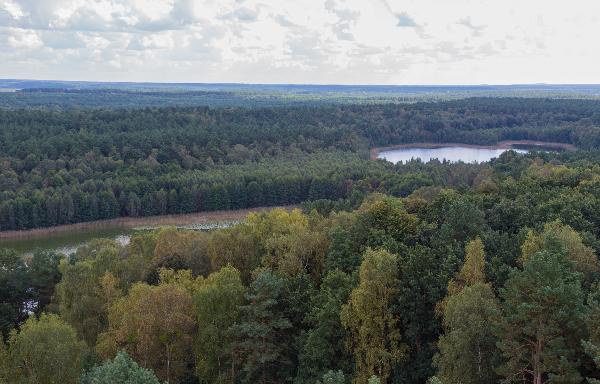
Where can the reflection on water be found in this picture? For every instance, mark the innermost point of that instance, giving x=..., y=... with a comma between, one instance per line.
x=452, y=154
x=68, y=242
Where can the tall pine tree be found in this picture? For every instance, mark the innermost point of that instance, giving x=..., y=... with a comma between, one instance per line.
x=262, y=341
x=542, y=321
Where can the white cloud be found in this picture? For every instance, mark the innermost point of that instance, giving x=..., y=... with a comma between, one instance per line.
x=302, y=41
x=23, y=39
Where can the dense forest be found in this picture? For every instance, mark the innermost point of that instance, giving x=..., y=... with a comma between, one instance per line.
x=437, y=273
x=61, y=95
x=473, y=274
x=77, y=165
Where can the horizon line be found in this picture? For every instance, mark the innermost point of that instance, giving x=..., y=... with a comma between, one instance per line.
x=303, y=84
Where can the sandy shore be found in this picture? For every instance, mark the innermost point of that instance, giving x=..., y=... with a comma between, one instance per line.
x=507, y=144
x=132, y=222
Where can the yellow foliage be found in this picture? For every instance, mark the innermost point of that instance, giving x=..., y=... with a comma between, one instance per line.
x=472, y=272
x=374, y=334
x=473, y=269
x=558, y=236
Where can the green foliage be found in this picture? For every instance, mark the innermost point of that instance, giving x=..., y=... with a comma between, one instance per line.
x=373, y=331
x=261, y=343
x=216, y=303
x=562, y=238
x=592, y=344
x=359, y=284
x=434, y=380
x=80, y=297
x=122, y=369
x=542, y=320
x=468, y=352
x=44, y=274
x=423, y=275
x=14, y=291
x=333, y=377
x=323, y=348
x=155, y=325
x=45, y=351
x=62, y=167
x=5, y=364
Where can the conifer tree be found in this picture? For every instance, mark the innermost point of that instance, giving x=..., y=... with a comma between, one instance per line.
x=323, y=347
x=467, y=348
x=122, y=369
x=542, y=321
x=262, y=343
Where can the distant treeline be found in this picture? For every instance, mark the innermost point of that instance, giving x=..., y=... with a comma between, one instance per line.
x=60, y=167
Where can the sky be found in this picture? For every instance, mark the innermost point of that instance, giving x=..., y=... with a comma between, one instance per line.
x=302, y=41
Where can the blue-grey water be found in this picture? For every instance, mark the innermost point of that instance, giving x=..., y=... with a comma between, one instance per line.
x=452, y=154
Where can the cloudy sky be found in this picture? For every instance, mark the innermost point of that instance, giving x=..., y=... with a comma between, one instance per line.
x=302, y=41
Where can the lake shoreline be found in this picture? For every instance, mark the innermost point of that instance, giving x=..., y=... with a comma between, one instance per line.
x=133, y=222
x=505, y=144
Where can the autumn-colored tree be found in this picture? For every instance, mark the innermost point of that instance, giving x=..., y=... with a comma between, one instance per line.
x=299, y=252
x=373, y=331
x=137, y=266
x=559, y=237
x=180, y=249
x=45, y=351
x=4, y=363
x=471, y=272
x=80, y=300
x=386, y=223
x=155, y=325
x=276, y=222
x=290, y=241
x=542, y=321
x=237, y=247
x=216, y=302
x=79, y=294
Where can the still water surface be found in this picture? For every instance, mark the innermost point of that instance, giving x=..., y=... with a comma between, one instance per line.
x=68, y=242
x=452, y=154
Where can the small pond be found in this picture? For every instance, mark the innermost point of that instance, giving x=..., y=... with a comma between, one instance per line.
x=450, y=153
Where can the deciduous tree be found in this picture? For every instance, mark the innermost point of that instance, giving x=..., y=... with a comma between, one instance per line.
x=155, y=325
x=467, y=350
x=216, y=302
x=373, y=331
x=45, y=351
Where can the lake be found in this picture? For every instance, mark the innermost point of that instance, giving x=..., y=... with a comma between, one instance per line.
x=66, y=239
x=450, y=153
x=68, y=242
